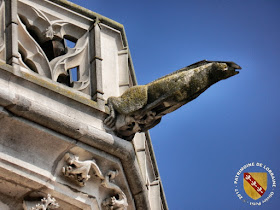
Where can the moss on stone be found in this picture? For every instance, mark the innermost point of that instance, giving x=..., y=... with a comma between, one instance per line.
x=131, y=100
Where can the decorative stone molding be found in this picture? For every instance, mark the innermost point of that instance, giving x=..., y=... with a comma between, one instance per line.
x=79, y=171
x=46, y=203
x=43, y=48
x=45, y=28
x=32, y=56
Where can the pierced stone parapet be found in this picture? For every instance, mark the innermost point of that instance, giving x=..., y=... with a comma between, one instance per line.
x=46, y=203
x=45, y=45
x=43, y=49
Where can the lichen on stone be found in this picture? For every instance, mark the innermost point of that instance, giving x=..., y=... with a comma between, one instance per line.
x=141, y=107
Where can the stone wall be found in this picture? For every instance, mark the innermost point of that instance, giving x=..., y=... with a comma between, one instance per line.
x=54, y=147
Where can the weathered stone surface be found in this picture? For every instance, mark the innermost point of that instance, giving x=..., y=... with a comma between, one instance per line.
x=45, y=114
x=141, y=107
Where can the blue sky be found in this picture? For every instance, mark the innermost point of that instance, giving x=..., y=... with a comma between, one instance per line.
x=200, y=147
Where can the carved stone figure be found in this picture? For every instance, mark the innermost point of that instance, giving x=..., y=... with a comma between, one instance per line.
x=118, y=201
x=79, y=170
x=141, y=107
x=46, y=203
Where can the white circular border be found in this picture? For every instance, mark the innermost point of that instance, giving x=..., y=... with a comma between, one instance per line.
x=267, y=169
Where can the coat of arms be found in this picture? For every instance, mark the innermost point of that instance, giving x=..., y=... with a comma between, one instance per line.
x=255, y=184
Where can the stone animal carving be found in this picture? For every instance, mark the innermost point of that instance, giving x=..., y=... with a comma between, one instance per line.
x=119, y=200
x=46, y=203
x=141, y=107
x=79, y=170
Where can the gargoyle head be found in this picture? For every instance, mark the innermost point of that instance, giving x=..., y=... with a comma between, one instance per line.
x=223, y=70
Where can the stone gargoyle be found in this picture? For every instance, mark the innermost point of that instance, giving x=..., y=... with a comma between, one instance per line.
x=141, y=107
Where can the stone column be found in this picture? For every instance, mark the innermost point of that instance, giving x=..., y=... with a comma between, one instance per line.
x=11, y=32
x=96, y=65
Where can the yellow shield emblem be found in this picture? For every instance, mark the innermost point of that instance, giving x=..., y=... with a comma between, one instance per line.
x=255, y=184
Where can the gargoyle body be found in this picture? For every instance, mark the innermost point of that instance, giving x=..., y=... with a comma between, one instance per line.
x=141, y=107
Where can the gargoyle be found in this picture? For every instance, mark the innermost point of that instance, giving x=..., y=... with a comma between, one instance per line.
x=141, y=107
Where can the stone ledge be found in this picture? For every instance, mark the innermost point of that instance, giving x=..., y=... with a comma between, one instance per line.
x=51, y=85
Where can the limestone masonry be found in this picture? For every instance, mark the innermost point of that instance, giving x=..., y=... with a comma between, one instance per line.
x=59, y=63
x=73, y=121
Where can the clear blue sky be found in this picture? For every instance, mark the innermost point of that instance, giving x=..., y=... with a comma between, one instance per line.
x=200, y=147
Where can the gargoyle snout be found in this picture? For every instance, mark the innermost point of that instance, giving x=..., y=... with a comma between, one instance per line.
x=233, y=66
x=230, y=68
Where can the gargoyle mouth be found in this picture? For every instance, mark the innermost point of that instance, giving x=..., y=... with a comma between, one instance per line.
x=233, y=66
x=227, y=66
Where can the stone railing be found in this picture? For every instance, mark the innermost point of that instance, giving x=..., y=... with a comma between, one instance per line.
x=77, y=48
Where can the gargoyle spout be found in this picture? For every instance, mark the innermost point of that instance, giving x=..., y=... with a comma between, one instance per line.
x=141, y=107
